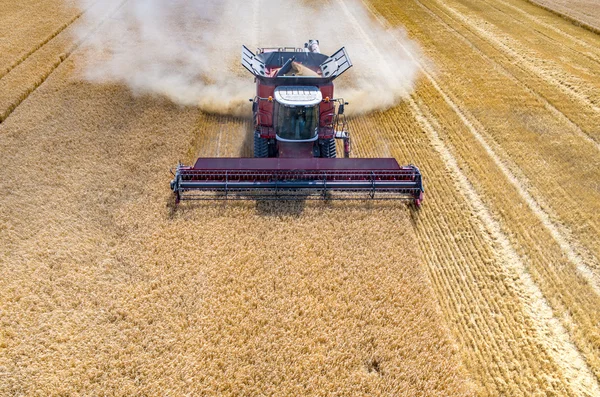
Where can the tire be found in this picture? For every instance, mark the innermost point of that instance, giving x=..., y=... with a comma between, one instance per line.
x=328, y=148
x=261, y=146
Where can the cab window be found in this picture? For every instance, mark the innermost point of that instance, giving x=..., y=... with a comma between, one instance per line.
x=297, y=122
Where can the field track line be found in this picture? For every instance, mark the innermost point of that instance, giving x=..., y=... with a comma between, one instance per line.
x=566, y=17
x=569, y=356
x=468, y=279
x=559, y=233
x=455, y=269
x=549, y=106
x=55, y=66
x=538, y=21
x=508, y=51
x=222, y=123
x=551, y=333
x=42, y=43
x=566, y=354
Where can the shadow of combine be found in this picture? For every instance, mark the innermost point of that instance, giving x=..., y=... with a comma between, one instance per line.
x=280, y=208
x=297, y=207
x=294, y=208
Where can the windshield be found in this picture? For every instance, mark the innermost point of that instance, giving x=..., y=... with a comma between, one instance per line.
x=297, y=122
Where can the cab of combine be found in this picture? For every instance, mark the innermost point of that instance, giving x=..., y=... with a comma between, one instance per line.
x=296, y=114
x=294, y=110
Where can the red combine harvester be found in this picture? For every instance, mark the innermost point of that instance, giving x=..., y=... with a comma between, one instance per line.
x=297, y=121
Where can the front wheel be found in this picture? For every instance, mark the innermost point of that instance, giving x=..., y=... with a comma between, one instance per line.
x=418, y=200
x=261, y=146
x=328, y=148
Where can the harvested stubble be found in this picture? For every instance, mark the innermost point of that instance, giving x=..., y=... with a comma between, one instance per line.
x=105, y=290
x=518, y=121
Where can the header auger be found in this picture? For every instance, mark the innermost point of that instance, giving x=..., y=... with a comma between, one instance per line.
x=297, y=121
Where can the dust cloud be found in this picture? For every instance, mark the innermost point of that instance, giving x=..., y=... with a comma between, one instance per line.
x=189, y=51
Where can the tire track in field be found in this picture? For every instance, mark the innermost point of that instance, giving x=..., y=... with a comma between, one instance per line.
x=549, y=106
x=557, y=232
x=553, y=28
x=585, y=319
x=58, y=31
x=512, y=76
x=584, y=257
x=539, y=308
x=514, y=54
x=5, y=113
x=477, y=295
x=569, y=247
x=569, y=294
x=550, y=331
x=558, y=331
x=560, y=233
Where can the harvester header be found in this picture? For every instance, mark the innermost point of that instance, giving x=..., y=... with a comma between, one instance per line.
x=297, y=121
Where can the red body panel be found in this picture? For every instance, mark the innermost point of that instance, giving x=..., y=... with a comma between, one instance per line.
x=296, y=149
x=264, y=117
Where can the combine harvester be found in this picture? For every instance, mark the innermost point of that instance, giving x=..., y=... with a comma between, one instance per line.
x=297, y=121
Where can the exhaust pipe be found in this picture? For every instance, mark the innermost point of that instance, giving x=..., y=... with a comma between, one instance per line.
x=312, y=46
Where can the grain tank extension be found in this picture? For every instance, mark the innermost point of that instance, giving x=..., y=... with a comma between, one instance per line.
x=297, y=121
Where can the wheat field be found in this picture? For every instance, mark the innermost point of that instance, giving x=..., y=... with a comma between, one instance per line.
x=490, y=289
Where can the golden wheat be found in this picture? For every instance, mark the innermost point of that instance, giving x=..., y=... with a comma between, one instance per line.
x=491, y=287
x=519, y=134
x=25, y=73
x=26, y=27
x=107, y=290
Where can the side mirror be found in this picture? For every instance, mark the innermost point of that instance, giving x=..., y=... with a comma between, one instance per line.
x=254, y=107
x=341, y=109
